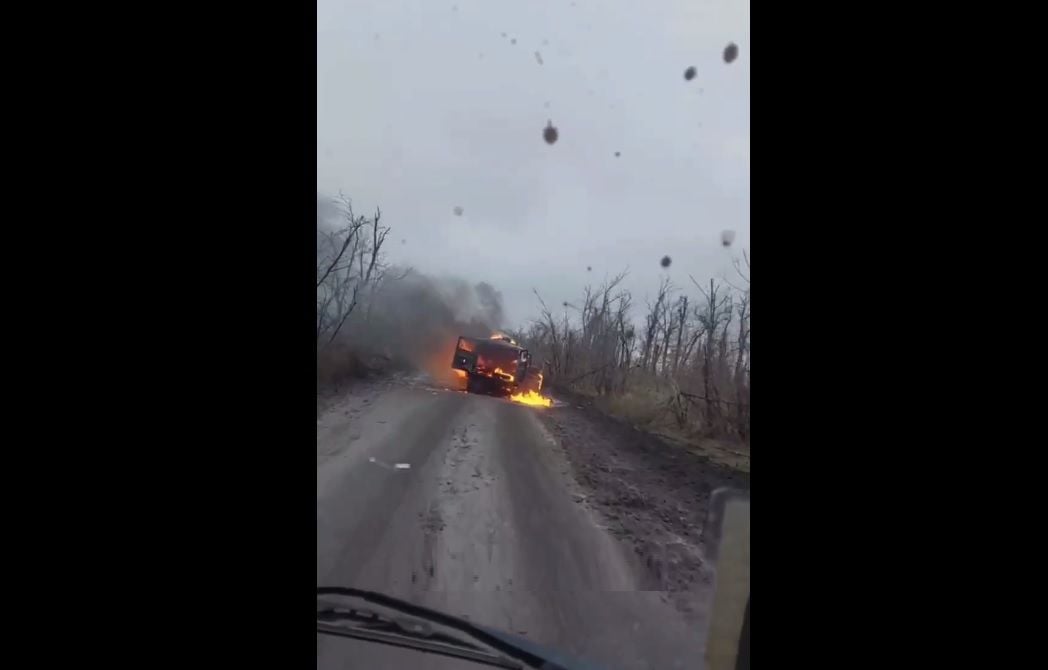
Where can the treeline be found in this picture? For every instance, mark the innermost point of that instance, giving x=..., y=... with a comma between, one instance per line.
x=373, y=317
x=686, y=363
x=683, y=364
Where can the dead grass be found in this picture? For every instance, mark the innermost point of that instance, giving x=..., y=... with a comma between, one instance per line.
x=643, y=409
x=339, y=365
x=735, y=455
x=646, y=408
x=336, y=366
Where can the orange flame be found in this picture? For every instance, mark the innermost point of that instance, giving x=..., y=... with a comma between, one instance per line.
x=504, y=337
x=531, y=398
x=461, y=374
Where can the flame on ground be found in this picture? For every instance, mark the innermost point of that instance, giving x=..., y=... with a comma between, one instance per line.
x=532, y=398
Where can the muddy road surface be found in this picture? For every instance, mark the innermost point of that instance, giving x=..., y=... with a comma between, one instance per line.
x=469, y=504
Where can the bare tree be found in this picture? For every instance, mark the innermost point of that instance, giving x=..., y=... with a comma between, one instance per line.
x=668, y=326
x=741, y=373
x=550, y=331
x=681, y=316
x=690, y=354
x=713, y=313
x=722, y=344
x=649, y=353
x=626, y=336
x=349, y=262
x=742, y=345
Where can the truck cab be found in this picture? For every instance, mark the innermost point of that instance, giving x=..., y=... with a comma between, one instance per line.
x=496, y=365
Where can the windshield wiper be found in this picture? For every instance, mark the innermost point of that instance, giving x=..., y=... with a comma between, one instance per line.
x=418, y=634
x=517, y=650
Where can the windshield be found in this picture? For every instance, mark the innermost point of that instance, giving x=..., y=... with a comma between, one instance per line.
x=571, y=176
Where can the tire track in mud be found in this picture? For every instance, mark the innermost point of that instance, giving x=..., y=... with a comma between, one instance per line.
x=485, y=524
x=650, y=495
x=367, y=533
x=460, y=531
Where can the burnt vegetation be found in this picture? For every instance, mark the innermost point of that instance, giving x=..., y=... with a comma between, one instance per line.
x=677, y=363
x=373, y=318
x=683, y=369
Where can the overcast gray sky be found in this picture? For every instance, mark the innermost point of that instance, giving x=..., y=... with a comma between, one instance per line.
x=424, y=106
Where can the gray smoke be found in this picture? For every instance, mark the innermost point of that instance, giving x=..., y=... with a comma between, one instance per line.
x=414, y=321
x=407, y=320
x=490, y=302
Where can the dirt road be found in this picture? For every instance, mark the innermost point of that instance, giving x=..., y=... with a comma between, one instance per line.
x=468, y=504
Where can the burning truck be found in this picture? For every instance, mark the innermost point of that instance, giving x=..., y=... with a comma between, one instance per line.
x=499, y=366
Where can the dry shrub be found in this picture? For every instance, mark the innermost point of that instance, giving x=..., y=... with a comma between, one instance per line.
x=340, y=364
x=336, y=366
x=683, y=369
x=373, y=319
x=642, y=409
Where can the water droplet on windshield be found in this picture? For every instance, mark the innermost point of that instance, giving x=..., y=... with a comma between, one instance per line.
x=731, y=52
x=550, y=133
x=727, y=237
